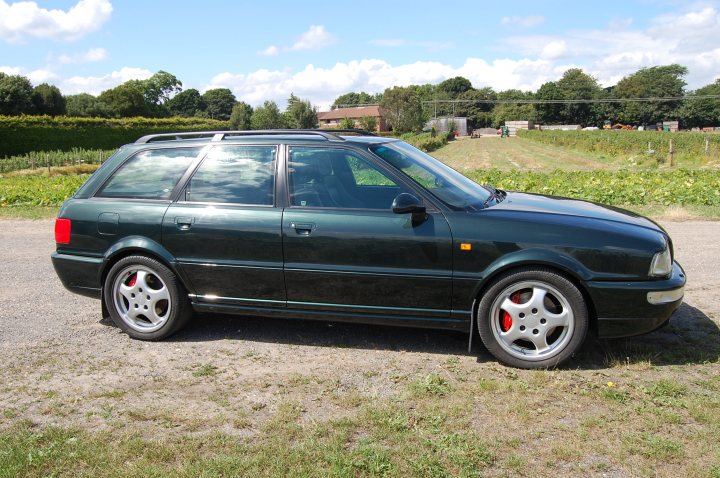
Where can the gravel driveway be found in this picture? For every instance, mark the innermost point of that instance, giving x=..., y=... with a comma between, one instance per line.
x=64, y=365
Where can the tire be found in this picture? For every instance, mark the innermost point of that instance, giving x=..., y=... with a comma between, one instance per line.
x=145, y=298
x=532, y=318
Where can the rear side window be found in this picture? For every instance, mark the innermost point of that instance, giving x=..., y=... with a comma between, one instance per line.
x=237, y=175
x=149, y=174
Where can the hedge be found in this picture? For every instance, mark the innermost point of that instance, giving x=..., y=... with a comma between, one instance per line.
x=23, y=134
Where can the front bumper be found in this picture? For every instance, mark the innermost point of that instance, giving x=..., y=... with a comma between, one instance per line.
x=78, y=274
x=631, y=308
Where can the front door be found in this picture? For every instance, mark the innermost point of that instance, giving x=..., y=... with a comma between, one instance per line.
x=225, y=229
x=346, y=251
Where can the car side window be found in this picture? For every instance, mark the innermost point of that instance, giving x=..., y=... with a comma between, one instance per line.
x=151, y=174
x=337, y=178
x=237, y=175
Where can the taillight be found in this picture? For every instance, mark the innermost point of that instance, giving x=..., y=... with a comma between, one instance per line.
x=62, y=231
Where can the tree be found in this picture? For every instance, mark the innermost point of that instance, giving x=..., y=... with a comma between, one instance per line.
x=267, y=116
x=549, y=113
x=87, y=105
x=403, y=109
x=187, y=103
x=301, y=114
x=126, y=100
x=577, y=85
x=368, y=123
x=503, y=112
x=15, y=95
x=354, y=99
x=654, y=82
x=47, y=100
x=479, y=112
x=159, y=88
x=346, y=123
x=241, y=116
x=702, y=111
x=220, y=102
x=455, y=86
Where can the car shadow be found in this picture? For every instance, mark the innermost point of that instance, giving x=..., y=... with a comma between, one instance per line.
x=690, y=337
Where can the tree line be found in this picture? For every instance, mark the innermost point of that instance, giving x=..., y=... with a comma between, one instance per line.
x=405, y=108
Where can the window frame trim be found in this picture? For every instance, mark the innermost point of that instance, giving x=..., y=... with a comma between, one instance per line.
x=430, y=204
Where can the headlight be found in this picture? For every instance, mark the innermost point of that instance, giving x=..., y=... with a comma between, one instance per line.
x=661, y=265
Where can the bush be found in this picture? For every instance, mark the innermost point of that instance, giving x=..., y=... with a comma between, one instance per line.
x=23, y=134
x=425, y=141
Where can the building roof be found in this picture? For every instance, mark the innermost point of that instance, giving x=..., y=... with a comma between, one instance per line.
x=354, y=112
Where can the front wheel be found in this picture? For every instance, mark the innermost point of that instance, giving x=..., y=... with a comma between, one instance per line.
x=145, y=299
x=532, y=318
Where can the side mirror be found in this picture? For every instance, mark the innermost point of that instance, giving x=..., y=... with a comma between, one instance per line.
x=406, y=203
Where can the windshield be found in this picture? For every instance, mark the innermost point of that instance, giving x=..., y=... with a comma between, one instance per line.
x=444, y=182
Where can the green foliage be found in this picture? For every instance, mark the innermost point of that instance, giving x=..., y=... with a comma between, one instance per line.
x=267, y=116
x=686, y=146
x=352, y=99
x=455, y=86
x=47, y=100
x=426, y=141
x=301, y=114
x=219, y=103
x=346, y=123
x=480, y=111
x=702, y=112
x=85, y=105
x=513, y=111
x=403, y=109
x=241, y=116
x=658, y=81
x=44, y=159
x=15, y=95
x=160, y=87
x=618, y=188
x=126, y=100
x=22, y=134
x=38, y=190
x=187, y=103
x=368, y=123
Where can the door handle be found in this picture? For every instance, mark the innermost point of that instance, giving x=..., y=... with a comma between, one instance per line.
x=184, y=223
x=303, y=229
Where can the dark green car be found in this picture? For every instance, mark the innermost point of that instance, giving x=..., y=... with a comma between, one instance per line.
x=313, y=225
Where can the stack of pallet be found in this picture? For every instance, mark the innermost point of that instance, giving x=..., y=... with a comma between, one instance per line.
x=513, y=126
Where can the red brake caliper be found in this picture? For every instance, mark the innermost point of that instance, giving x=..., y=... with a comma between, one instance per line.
x=133, y=279
x=506, y=320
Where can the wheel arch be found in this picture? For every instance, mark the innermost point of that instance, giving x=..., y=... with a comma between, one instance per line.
x=135, y=245
x=562, y=264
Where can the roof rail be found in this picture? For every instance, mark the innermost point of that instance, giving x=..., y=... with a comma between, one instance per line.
x=359, y=132
x=220, y=135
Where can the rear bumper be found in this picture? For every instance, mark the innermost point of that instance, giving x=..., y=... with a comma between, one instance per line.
x=632, y=308
x=79, y=274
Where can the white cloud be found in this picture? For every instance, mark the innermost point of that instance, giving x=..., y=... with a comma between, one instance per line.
x=26, y=19
x=315, y=38
x=272, y=50
x=10, y=70
x=92, y=55
x=97, y=84
x=554, y=50
x=528, y=21
x=322, y=85
x=35, y=76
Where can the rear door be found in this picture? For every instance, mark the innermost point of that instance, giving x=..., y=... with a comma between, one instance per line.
x=225, y=230
x=346, y=251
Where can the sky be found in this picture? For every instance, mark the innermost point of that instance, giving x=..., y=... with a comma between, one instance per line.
x=318, y=50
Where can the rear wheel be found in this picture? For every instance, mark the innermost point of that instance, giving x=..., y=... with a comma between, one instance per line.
x=145, y=299
x=532, y=318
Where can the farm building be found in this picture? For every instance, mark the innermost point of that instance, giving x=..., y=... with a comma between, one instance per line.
x=441, y=124
x=331, y=119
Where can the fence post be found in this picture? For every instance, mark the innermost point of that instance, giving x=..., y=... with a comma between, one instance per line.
x=47, y=158
x=707, y=146
x=670, y=153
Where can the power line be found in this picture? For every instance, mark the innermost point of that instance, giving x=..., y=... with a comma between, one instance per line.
x=579, y=101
